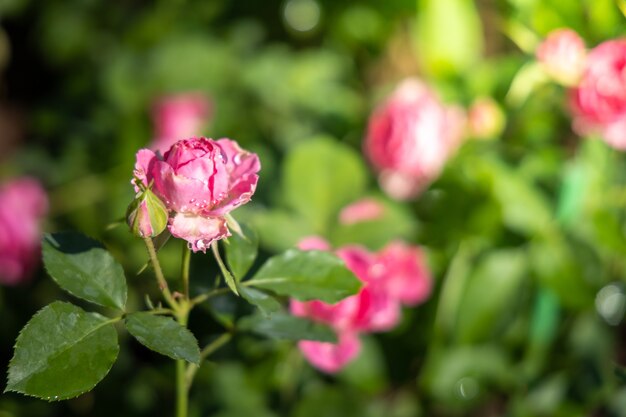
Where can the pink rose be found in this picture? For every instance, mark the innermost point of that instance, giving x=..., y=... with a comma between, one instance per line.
x=178, y=116
x=331, y=357
x=562, y=56
x=410, y=137
x=404, y=272
x=23, y=204
x=200, y=180
x=369, y=310
x=366, y=209
x=599, y=100
x=394, y=276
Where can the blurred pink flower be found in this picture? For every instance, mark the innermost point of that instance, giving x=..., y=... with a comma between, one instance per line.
x=200, y=180
x=314, y=243
x=562, y=55
x=485, y=119
x=410, y=137
x=599, y=100
x=395, y=275
x=369, y=310
x=363, y=210
x=178, y=116
x=331, y=357
x=406, y=275
x=23, y=204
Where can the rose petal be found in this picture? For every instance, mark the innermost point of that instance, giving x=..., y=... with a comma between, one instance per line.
x=179, y=193
x=199, y=231
x=330, y=357
x=145, y=159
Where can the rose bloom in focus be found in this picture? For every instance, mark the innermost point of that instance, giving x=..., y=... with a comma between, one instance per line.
x=562, y=55
x=200, y=181
x=178, y=116
x=410, y=137
x=23, y=205
x=395, y=276
x=599, y=100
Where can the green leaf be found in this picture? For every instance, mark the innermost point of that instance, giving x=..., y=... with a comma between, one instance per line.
x=285, y=326
x=524, y=207
x=501, y=272
x=279, y=230
x=82, y=267
x=265, y=302
x=449, y=36
x=62, y=352
x=228, y=277
x=307, y=275
x=241, y=251
x=477, y=365
x=320, y=177
x=164, y=335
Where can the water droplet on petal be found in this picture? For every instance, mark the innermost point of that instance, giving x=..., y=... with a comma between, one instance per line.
x=193, y=200
x=237, y=159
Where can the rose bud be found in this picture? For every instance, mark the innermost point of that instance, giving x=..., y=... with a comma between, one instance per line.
x=146, y=215
x=485, y=119
x=200, y=180
x=562, y=56
x=599, y=100
x=410, y=137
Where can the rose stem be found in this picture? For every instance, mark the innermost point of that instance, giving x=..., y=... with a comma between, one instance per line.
x=159, y=275
x=182, y=388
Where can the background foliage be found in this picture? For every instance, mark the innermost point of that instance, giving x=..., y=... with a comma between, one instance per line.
x=525, y=233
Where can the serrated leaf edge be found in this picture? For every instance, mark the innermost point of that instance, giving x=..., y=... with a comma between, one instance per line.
x=140, y=340
x=116, y=264
x=59, y=398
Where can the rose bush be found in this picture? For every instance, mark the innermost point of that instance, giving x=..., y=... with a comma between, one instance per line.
x=200, y=180
x=23, y=204
x=410, y=137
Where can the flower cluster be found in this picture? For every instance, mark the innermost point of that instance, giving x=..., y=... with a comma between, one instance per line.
x=200, y=181
x=598, y=81
x=397, y=275
x=23, y=204
x=409, y=138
